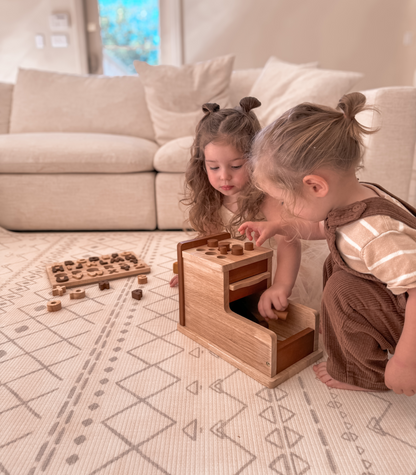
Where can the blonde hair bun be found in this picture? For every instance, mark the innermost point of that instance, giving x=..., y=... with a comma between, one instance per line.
x=352, y=104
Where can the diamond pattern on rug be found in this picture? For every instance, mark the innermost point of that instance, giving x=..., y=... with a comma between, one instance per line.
x=107, y=385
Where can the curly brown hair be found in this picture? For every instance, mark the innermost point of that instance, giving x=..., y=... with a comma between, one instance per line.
x=231, y=126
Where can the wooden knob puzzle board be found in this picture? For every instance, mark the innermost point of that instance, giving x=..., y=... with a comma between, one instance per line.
x=73, y=273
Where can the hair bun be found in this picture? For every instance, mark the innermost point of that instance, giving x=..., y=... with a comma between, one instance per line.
x=210, y=107
x=248, y=103
x=351, y=104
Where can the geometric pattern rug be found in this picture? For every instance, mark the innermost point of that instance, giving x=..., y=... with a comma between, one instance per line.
x=107, y=385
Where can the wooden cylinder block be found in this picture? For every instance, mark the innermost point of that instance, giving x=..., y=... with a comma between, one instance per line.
x=224, y=244
x=175, y=268
x=54, y=305
x=279, y=314
x=237, y=250
x=212, y=242
x=77, y=294
x=248, y=246
x=142, y=279
x=223, y=249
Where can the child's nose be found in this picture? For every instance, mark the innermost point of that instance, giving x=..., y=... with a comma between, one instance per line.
x=225, y=175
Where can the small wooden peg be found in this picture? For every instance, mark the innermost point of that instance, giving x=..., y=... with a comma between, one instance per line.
x=175, y=268
x=237, y=250
x=280, y=315
x=248, y=246
x=137, y=294
x=224, y=244
x=104, y=284
x=59, y=290
x=54, y=305
x=142, y=279
x=77, y=294
x=212, y=242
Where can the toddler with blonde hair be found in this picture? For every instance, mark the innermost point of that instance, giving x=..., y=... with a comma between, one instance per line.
x=307, y=159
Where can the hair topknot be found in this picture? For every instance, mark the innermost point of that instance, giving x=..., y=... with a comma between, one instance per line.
x=210, y=107
x=249, y=103
x=351, y=104
x=309, y=137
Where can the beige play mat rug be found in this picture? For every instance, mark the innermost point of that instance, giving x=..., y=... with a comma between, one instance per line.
x=107, y=385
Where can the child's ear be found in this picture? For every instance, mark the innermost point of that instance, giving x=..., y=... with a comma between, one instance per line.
x=316, y=185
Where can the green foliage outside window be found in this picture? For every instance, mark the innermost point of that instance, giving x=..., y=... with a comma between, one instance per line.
x=130, y=31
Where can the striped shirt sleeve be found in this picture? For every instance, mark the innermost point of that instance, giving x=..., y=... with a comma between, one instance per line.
x=391, y=257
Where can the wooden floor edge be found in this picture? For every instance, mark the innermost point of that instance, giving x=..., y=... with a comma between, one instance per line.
x=245, y=368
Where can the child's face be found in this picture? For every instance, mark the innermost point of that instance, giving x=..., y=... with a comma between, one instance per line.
x=300, y=207
x=226, y=168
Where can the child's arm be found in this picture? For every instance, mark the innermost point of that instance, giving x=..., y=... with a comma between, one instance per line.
x=288, y=262
x=400, y=373
x=264, y=230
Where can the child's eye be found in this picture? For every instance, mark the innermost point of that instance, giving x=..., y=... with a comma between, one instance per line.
x=236, y=167
x=214, y=168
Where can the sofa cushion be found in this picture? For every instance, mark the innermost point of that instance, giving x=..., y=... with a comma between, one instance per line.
x=242, y=81
x=282, y=86
x=55, y=102
x=75, y=153
x=175, y=95
x=78, y=201
x=6, y=91
x=173, y=157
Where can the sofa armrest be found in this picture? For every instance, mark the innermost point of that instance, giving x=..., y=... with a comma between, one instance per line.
x=388, y=157
x=6, y=93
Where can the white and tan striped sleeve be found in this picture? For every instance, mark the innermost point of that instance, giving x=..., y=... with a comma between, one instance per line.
x=391, y=257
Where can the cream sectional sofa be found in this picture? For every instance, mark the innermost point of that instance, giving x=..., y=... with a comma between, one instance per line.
x=79, y=153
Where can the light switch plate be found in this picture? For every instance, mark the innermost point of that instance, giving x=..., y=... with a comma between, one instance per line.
x=59, y=41
x=39, y=41
x=59, y=21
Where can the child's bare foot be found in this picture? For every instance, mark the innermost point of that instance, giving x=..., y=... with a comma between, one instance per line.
x=322, y=374
x=174, y=281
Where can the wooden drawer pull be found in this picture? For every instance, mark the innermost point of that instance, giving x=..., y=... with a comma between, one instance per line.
x=249, y=281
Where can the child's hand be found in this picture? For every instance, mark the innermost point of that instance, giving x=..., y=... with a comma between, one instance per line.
x=262, y=230
x=400, y=376
x=275, y=296
x=174, y=281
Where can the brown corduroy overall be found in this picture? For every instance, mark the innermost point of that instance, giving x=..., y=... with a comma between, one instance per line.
x=361, y=318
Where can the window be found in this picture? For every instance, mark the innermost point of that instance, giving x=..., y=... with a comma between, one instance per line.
x=129, y=31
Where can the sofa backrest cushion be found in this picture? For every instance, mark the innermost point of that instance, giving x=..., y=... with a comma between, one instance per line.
x=242, y=81
x=55, y=102
x=282, y=86
x=6, y=91
x=175, y=95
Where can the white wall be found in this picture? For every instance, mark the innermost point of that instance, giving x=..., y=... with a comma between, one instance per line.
x=355, y=35
x=20, y=20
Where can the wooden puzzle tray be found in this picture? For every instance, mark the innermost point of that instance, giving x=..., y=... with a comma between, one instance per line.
x=73, y=273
